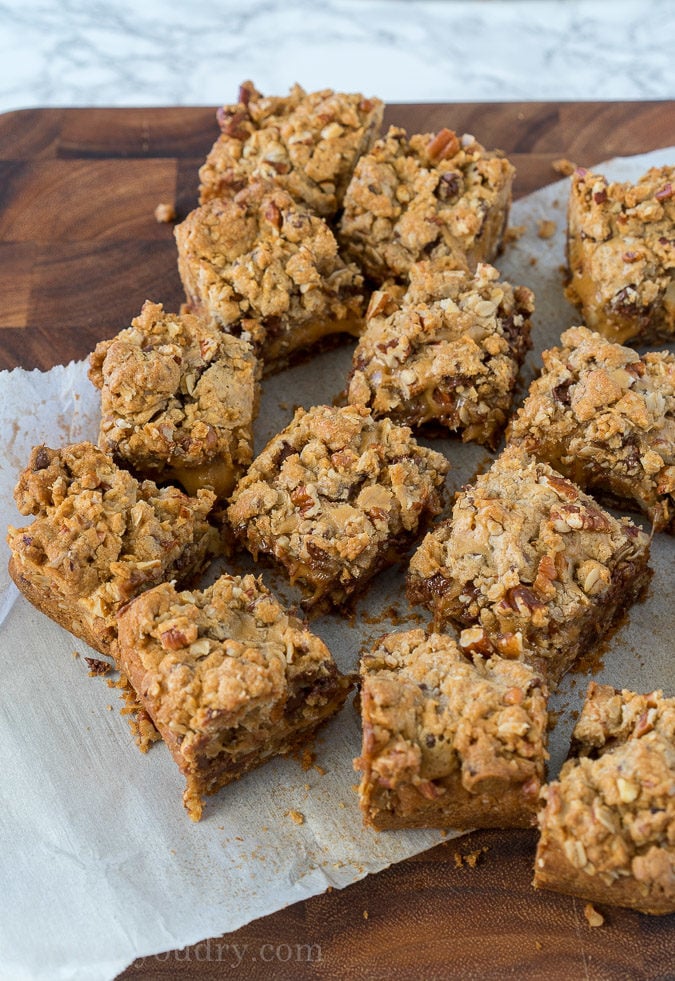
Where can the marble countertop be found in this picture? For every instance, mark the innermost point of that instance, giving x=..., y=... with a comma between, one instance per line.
x=166, y=52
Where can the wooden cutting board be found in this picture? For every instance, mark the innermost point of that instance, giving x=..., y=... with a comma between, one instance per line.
x=80, y=250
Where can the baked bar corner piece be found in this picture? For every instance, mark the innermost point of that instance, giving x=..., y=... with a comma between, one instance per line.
x=449, y=742
x=178, y=400
x=306, y=142
x=265, y=268
x=607, y=825
x=605, y=417
x=424, y=196
x=336, y=497
x=100, y=537
x=447, y=353
x=228, y=676
x=529, y=566
x=621, y=254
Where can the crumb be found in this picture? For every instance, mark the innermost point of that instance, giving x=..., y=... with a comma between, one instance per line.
x=307, y=786
x=365, y=914
x=564, y=167
x=296, y=817
x=471, y=859
x=321, y=770
x=514, y=232
x=546, y=228
x=307, y=759
x=97, y=666
x=342, y=805
x=594, y=918
x=538, y=944
x=109, y=708
x=76, y=653
x=329, y=888
x=533, y=261
x=165, y=213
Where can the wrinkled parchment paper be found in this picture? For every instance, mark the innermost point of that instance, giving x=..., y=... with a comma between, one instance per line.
x=100, y=863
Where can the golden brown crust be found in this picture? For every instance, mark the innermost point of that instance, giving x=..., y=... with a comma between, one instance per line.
x=335, y=497
x=608, y=825
x=100, y=537
x=531, y=565
x=265, y=268
x=621, y=254
x=447, y=352
x=178, y=399
x=605, y=417
x=306, y=143
x=228, y=677
x=425, y=196
x=448, y=742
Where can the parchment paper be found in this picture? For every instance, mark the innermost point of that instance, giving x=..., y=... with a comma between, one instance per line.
x=100, y=863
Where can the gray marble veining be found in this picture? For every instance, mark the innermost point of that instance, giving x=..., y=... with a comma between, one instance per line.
x=169, y=52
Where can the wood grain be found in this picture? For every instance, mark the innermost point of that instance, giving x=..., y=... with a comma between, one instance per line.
x=80, y=251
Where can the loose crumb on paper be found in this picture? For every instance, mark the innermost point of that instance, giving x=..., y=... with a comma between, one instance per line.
x=365, y=914
x=97, y=667
x=594, y=918
x=296, y=817
x=546, y=228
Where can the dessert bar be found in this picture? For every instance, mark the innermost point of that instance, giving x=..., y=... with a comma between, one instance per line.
x=228, y=676
x=621, y=254
x=449, y=742
x=264, y=268
x=530, y=565
x=335, y=497
x=605, y=417
x=424, y=196
x=306, y=143
x=100, y=537
x=607, y=827
x=178, y=400
x=446, y=353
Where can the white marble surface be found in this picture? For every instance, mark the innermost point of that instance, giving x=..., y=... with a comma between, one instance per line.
x=163, y=52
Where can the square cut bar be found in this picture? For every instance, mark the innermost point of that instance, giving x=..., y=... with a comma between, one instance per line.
x=530, y=565
x=447, y=353
x=449, y=742
x=424, y=196
x=336, y=497
x=262, y=267
x=621, y=254
x=608, y=825
x=178, y=400
x=100, y=537
x=605, y=417
x=306, y=143
x=228, y=676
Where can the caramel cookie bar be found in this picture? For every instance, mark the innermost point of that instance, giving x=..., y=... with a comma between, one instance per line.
x=419, y=197
x=100, y=537
x=447, y=352
x=449, y=742
x=605, y=417
x=178, y=400
x=607, y=825
x=530, y=565
x=621, y=254
x=335, y=497
x=262, y=267
x=306, y=143
x=228, y=676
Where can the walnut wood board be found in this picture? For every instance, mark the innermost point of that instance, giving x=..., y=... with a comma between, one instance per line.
x=80, y=251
